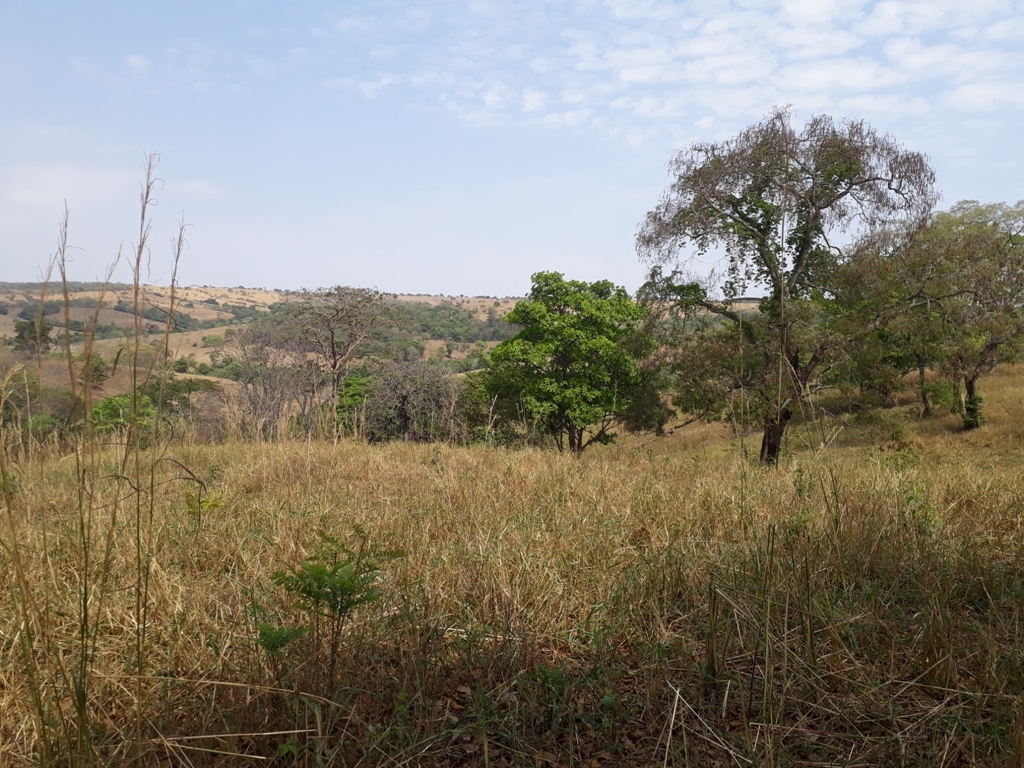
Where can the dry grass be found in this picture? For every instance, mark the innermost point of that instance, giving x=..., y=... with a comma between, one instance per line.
x=478, y=305
x=861, y=605
x=7, y=324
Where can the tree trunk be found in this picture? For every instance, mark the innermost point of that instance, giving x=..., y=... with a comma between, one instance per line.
x=771, y=442
x=972, y=403
x=926, y=400
x=336, y=379
x=575, y=439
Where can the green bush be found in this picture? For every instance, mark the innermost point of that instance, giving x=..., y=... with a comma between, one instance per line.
x=116, y=413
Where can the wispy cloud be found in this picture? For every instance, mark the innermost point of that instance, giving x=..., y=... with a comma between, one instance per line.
x=494, y=61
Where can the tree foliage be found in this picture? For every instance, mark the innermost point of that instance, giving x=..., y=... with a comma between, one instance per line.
x=33, y=336
x=573, y=368
x=121, y=412
x=949, y=295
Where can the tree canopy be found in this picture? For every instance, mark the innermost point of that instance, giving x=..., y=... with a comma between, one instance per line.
x=571, y=369
x=333, y=323
x=948, y=295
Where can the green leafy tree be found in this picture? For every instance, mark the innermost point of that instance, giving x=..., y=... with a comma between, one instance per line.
x=890, y=325
x=982, y=247
x=573, y=369
x=769, y=202
x=352, y=402
x=94, y=369
x=951, y=294
x=329, y=587
x=33, y=336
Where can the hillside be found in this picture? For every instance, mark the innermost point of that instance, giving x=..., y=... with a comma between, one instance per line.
x=206, y=314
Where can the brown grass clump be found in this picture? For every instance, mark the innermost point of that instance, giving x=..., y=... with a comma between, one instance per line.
x=855, y=607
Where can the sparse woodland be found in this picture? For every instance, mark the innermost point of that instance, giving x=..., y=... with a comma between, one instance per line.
x=770, y=516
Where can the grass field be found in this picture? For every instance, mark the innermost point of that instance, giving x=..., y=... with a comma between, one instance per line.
x=659, y=602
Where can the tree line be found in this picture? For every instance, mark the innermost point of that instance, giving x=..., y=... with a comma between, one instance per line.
x=859, y=284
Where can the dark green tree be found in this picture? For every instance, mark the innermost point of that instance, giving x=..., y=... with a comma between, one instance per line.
x=890, y=325
x=573, y=369
x=33, y=336
x=769, y=202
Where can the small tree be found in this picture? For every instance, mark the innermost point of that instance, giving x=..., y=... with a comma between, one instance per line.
x=983, y=246
x=272, y=369
x=889, y=324
x=572, y=368
x=412, y=401
x=33, y=336
x=770, y=201
x=333, y=323
x=120, y=412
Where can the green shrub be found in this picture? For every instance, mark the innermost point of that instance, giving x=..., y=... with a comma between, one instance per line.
x=116, y=413
x=328, y=588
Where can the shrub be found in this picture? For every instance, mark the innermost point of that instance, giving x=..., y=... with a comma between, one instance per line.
x=116, y=413
x=413, y=402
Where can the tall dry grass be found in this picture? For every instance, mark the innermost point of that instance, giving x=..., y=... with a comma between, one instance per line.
x=850, y=608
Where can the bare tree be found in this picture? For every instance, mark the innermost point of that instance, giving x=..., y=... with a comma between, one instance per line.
x=272, y=375
x=414, y=402
x=334, y=323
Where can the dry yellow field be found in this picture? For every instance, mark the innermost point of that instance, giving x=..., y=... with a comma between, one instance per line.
x=657, y=602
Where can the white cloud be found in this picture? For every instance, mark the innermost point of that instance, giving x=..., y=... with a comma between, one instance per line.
x=840, y=75
x=883, y=104
x=137, y=62
x=533, y=100
x=1006, y=29
x=986, y=96
x=948, y=59
x=803, y=43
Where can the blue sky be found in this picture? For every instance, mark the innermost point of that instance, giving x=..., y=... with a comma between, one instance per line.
x=454, y=147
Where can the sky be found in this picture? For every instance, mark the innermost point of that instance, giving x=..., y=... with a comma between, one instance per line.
x=456, y=146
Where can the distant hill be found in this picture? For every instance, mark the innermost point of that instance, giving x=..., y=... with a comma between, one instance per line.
x=202, y=298
x=454, y=329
